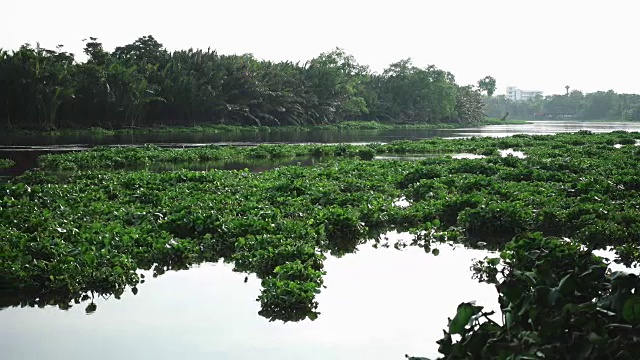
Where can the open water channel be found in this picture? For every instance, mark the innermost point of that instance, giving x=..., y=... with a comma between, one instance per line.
x=25, y=149
x=378, y=304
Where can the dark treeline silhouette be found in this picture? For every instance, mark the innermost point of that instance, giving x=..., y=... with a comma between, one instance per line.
x=142, y=84
x=600, y=105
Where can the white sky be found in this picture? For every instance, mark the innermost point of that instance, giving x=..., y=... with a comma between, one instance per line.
x=535, y=45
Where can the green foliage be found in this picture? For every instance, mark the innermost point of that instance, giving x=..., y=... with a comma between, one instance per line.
x=84, y=230
x=92, y=242
x=600, y=105
x=496, y=220
x=290, y=294
x=6, y=163
x=143, y=85
x=557, y=301
x=488, y=85
x=411, y=94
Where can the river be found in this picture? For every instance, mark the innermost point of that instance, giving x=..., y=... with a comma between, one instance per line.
x=25, y=149
x=378, y=304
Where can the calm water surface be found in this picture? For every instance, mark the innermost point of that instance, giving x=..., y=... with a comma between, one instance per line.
x=319, y=136
x=548, y=128
x=25, y=149
x=378, y=304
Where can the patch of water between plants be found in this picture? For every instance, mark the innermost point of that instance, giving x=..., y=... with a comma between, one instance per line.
x=379, y=303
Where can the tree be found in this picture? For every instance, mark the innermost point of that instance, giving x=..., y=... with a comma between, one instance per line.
x=142, y=84
x=335, y=78
x=93, y=49
x=407, y=93
x=600, y=105
x=469, y=105
x=488, y=85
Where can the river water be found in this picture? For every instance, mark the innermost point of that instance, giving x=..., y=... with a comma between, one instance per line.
x=39, y=142
x=25, y=149
x=378, y=304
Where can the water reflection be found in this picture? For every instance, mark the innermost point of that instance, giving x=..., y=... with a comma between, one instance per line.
x=467, y=156
x=378, y=304
x=511, y=152
x=547, y=128
x=24, y=149
x=24, y=160
x=314, y=136
x=235, y=138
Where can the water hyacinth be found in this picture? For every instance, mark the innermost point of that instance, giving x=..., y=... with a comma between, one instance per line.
x=88, y=230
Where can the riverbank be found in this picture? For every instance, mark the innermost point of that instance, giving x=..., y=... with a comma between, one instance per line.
x=218, y=128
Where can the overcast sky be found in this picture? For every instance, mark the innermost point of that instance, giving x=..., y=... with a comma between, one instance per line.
x=535, y=45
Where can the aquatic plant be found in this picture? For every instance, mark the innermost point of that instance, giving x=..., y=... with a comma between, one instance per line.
x=557, y=302
x=85, y=232
x=6, y=163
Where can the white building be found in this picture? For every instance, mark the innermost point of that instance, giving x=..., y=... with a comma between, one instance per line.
x=516, y=94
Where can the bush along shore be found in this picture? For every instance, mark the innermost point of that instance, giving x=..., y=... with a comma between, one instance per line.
x=210, y=128
x=83, y=232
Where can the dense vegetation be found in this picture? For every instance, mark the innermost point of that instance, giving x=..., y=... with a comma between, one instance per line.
x=600, y=105
x=6, y=163
x=142, y=84
x=83, y=225
x=558, y=301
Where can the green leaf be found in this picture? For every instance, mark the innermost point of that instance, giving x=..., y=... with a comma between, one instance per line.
x=435, y=252
x=464, y=314
x=631, y=310
x=91, y=308
x=567, y=284
x=596, y=339
x=553, y=296
x=511, y=289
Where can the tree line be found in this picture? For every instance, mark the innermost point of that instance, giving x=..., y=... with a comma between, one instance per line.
x=600, y=105
x=142, y=84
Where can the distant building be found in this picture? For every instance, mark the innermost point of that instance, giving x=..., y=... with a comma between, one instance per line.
x=516, y=94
